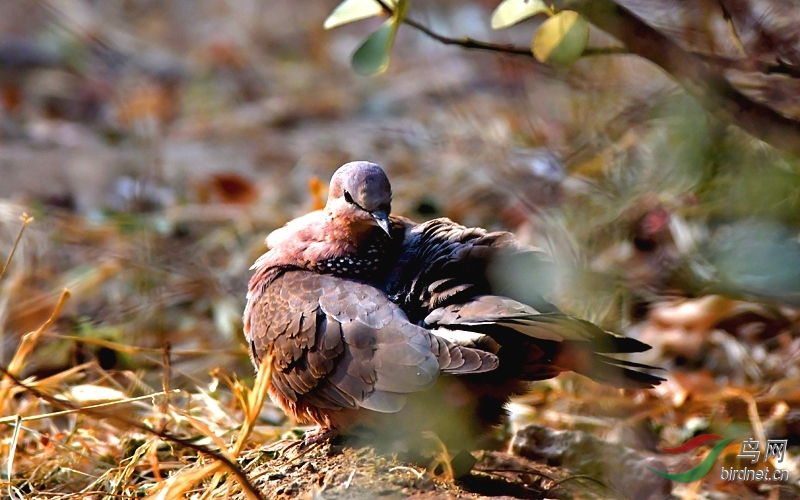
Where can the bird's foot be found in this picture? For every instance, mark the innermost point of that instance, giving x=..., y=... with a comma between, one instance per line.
x=317, y=437
x=286, y=445
x=310, y=440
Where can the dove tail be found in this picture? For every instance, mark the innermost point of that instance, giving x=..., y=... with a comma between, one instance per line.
x=605, y=369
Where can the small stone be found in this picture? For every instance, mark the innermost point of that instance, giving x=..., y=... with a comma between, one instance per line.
x=583, y=453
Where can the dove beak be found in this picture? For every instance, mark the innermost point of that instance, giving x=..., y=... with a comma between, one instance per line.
x=382, y=219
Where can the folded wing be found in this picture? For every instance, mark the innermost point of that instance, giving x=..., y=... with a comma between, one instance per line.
x=447, y=280
x=342, y=344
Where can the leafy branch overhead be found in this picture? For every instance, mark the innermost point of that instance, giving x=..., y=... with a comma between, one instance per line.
x=373, y=55
x=561, y=39
x=752, y=90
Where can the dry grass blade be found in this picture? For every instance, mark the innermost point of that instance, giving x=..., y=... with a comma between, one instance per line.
x=131, y=349
x=408, y=469
x=178, y=485
x=222, y=461
x=212, y=485
x=16, y=418
x=25, y=221
x=206, y=431
x=752, y=412
x=251, y=403
x=136, y=457
x=25, y=347
x=166, y=375
x=12, y=451
x=441, y=459
x=62, y=377
x=255, y=401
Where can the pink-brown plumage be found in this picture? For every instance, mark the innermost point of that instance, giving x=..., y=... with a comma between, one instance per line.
x=362, y=312
x=340, y=349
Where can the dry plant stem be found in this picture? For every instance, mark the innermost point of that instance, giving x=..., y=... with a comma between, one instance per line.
x=251, y=406
x=25, y=347
x=25, y=221
x=442, y=457
x=152, y=457
x=8, y=420
x=166, y=376
x=752, y=412
x=130, y=349
x=516, y=471
x=249, y=490
x=408, y=469
x=12, y=452
x=258, y=396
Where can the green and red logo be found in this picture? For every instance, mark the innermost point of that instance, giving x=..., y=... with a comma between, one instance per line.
x=703, y=467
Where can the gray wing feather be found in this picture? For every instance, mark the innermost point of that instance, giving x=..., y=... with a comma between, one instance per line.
x=343, y=344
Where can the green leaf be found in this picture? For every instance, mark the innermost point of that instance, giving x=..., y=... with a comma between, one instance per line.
x=373, y=55
x=354, y=10
x=510, y=12
x=561, y=39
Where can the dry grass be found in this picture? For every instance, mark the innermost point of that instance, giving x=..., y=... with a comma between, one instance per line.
x=85, y=431
x=98, y=439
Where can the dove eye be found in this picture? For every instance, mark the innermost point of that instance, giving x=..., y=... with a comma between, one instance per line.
x=348, y=198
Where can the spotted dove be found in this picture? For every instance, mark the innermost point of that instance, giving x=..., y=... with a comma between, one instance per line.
x=340, y=349
x=361, y=311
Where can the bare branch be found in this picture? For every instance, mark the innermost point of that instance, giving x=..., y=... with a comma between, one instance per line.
x=701, y=75
x=704, y=81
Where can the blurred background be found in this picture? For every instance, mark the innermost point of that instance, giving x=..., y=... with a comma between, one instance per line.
x=157, y=143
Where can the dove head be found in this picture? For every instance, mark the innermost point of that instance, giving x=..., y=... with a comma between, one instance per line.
x=360, y=195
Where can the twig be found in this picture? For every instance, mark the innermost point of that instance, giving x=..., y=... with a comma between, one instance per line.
x=471, y=43
x=25, y=221
x=442, y=457
x=349, y=479
x=12, y=419
x=247, y=486
x=12, y=451
x=706, y=82
x=744, y=63
x=700, y=75
x=133, y=350
x=417, y=473
x=166, y=376
x=516, y=471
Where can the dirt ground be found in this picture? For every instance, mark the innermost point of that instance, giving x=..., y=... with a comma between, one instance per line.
x=335, y=472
